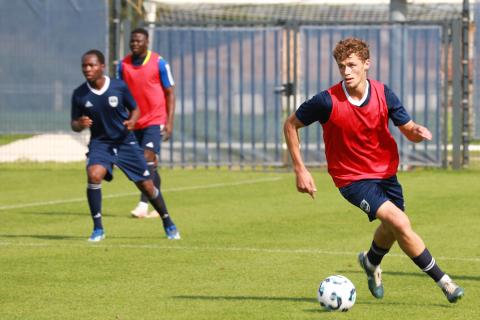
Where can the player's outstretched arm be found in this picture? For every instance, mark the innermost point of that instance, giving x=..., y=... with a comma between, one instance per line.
x=415, y=132
x=81, y=123
x=305, y=182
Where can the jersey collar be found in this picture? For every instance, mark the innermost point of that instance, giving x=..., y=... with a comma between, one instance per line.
x=136, y=62
x=360, y=102
x=103, y=89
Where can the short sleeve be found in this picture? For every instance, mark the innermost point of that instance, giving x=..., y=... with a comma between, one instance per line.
x=396, y=110
x=317, y=108
x=165, y=73
x=76, y=111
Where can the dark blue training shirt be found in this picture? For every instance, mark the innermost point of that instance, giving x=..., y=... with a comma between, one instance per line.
x=319, y=108
x=108, y=108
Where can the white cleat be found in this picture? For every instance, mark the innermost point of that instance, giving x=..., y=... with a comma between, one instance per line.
x=452, y=291
x=152, y=214
x=140, y=211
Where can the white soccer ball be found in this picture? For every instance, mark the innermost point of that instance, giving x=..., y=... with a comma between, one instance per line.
x=337, y=293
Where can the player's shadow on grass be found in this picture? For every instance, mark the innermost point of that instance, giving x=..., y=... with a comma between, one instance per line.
x=416, y=274
x=300, y=299
x=58, y=213
x=41, y=237
x=68, y=237
x=384, y=303
x=254, y=298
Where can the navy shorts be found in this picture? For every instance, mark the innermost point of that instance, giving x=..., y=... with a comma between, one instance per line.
x=150, y=138
x=128, y=156
x=370, y=194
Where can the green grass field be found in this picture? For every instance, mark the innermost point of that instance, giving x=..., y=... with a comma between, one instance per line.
x=252, y=247
x=8, y=138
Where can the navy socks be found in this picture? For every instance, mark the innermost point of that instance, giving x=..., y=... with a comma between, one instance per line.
x=427, y=263
x=155, y=177
x=159, y=204
x=94, y=196
x=375, y=254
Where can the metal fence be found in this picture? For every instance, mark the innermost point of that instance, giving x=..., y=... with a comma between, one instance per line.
x=476, y=76
x=235, y=87
x=227, y=109
x=42, y=42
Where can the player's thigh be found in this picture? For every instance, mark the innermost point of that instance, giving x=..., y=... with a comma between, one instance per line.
x=367, y=195
x=393, y=217
x=100, y=155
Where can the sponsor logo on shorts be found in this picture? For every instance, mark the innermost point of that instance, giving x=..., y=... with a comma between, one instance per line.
x=365, y=206
x=150, y=145
x=146, y=173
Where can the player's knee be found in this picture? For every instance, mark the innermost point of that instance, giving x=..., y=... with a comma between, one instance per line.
x=147, y=188
x=394, y=219
x=150, y=156
x=95, y=177
x=402, y=224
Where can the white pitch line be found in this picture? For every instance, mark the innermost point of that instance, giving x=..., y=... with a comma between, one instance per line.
x=119, y=195
x=214, y=249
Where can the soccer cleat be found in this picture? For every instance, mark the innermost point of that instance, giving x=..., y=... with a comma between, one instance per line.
x=172, y=232
x=374, y=276
x=452, y=291
x=140, y=211
x=97, y=235
x=152, y=214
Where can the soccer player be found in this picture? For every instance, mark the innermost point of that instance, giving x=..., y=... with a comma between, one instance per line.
x=150, y=80
x=362, y=160
x=107, y=107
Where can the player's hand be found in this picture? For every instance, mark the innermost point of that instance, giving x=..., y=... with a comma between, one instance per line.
x=423, y=132
x=305, y=183
x=129, y=124
x=85, y=122
x=166, y=132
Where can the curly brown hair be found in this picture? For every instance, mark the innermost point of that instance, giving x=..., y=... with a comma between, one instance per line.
x=349, y=46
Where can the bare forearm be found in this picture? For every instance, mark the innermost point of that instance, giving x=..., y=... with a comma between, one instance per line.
x=290, y=131
x=81, y=123
x=134, y=115
x=170, y=100
x=304, y=179
x=132, y=119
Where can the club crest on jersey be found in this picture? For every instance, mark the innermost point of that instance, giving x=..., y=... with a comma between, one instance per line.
x=113, y=101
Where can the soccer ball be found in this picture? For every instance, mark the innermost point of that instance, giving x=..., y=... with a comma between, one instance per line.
x=337, y=293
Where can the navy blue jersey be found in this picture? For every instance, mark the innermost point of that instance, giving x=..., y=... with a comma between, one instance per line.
x=319, y=108
x=108, y=108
